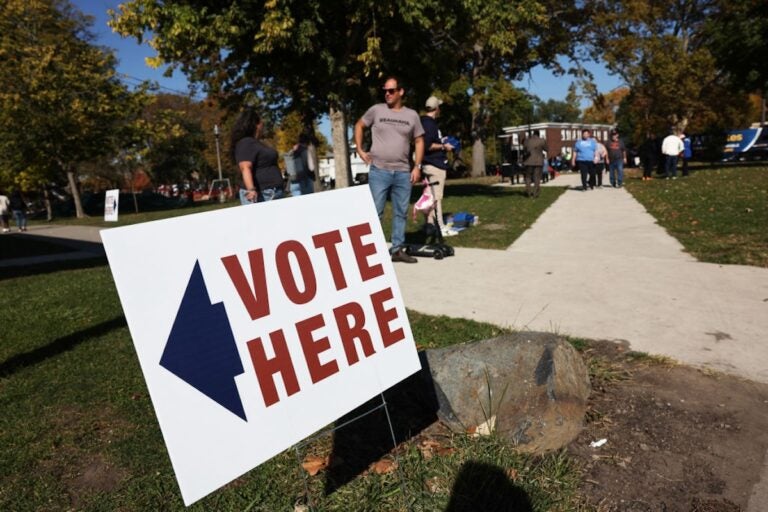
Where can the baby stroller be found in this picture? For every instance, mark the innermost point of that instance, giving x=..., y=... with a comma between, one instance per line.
x=434, y=245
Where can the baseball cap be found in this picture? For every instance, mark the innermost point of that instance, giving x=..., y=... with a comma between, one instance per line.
x=433, y=103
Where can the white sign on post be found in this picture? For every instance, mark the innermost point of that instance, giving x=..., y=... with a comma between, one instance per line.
x=111, y=203
x=256, y=326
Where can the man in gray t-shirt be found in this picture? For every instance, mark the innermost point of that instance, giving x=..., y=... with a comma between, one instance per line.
x=393, y=128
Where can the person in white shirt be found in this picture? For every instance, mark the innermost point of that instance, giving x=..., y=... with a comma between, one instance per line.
x=671, y=147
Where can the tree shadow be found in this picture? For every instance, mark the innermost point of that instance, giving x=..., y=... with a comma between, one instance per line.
x=50, y=267
x=481, y=486
x=73, y=244
x=61, y=254
x=58, y=346
x=412, y=406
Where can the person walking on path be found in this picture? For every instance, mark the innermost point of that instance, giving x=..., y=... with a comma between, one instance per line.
x=19, y=207
x=601, y=163
x=617, y=158
x=671, y=147
x=687, y=153
x=393, y=127
x=5, y=210
x=303, y=180
x=435, y=162
x=534, y=147
x=648, y=156
x=257, y=162
x=584, y=158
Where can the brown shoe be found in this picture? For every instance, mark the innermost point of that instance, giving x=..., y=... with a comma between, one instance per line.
x=403, y=256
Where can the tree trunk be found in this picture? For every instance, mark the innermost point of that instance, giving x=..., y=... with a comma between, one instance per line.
x=47, y=203
x=130, y=180
x=478, y=133
x=478, y=157
x=478, y=114
x=72, y=180
x=340, y=146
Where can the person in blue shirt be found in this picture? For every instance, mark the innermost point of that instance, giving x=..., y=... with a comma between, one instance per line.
x=584, y=158
x=687, y=153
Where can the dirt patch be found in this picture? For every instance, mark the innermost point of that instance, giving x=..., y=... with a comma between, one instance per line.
x=677, y=439
x=78, y=457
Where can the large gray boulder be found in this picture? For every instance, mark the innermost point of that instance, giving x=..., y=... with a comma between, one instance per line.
x=531, y=388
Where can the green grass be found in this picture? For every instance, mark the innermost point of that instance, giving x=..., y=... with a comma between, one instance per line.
x=78, y=431
x=505, y=213
x=720, y=215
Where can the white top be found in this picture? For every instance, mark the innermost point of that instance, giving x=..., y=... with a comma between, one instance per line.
x=672, y=145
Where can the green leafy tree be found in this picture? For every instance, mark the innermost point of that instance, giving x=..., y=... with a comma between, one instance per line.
x=738, y=39
x=501, y=41
x=331, y=57
x=174, y=139
x=658, y=49
x=310, y=57
x=59, y=96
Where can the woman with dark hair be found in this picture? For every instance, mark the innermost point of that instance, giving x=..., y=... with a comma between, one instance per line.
x=257, y=162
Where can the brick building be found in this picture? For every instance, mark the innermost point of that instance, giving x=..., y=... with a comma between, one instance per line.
x=560, y=137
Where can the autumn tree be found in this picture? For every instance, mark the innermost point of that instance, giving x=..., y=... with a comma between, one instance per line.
x=658, y=49
x=604, y=106
x=59, y=96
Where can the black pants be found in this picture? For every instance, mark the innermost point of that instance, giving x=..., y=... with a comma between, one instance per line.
x=587, y=170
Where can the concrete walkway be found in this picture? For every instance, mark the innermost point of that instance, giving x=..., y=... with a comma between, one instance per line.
x=596, y=265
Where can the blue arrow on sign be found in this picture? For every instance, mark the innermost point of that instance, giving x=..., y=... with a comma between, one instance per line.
x=201, y=348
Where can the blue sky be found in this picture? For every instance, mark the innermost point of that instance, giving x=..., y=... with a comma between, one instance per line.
x=131, y=55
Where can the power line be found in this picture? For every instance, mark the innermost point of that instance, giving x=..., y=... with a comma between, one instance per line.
x=141, y=80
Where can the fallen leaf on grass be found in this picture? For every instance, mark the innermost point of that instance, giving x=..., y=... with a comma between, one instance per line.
x=384, y=466
x=428, y=448
x=512, y=474
x=313, y=465
x=434, y=486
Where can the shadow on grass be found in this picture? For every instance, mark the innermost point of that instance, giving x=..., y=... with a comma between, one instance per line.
x=412, y=406
x=50, y=267
x=471, y=189
x=58, y=346
x=481, y=486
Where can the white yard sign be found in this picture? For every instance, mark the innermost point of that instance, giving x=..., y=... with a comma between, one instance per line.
x=111, y=204
x=255, y=326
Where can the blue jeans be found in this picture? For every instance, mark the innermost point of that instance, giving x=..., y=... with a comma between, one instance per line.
x=398, y=185
x=21, y=219
x=616, y=172
x=670, y=167
x=268, y=194
x=302, y=187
